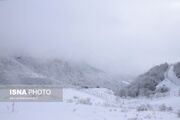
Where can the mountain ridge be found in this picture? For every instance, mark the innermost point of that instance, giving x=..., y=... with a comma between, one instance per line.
x=29, y=70
x=147, y=84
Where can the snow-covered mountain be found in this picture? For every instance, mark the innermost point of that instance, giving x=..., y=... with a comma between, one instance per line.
x=29, y=70
x=162, y=77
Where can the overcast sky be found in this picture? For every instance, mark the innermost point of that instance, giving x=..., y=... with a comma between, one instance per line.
x=121, y=36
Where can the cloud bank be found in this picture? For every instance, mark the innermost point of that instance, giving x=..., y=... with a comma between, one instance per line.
x=118, y=36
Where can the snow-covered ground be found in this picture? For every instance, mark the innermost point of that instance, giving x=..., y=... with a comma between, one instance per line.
x=93, y=104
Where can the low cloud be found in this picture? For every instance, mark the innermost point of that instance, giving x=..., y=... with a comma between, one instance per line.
x=118, y=36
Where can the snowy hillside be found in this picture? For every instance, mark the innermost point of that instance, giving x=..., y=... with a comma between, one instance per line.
x=28, y=70
x=171, y=81
x=94, y=104
x=155, y=80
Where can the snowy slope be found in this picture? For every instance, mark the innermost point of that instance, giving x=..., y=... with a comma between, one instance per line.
x=149, y=83
x=13, y=72
x=29, y=70
x=73, y=107
x=171, y=81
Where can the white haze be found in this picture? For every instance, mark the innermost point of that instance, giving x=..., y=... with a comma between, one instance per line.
x=120, y=36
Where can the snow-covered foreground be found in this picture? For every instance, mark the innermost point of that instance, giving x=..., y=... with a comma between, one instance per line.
x=94, y=104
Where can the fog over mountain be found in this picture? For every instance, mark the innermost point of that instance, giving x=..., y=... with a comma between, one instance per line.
x=121, y=37
x=27, y=70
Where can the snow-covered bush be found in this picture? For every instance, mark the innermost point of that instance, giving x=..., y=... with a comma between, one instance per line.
x=164, y=108
x=144, y=107
x=122, y=92
x=86, y=101
x=162, y=89
x=158, y=94
x=145, y=92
